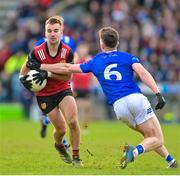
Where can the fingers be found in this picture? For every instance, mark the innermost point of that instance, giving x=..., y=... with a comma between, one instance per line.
x=28, y=85
x=38, y=81
x=35, y=75
x=27, y=82
x=160, y=106
x=41, y=76
x=41, y=82
x=157, y=107
x=25, y=77
x=163, y=104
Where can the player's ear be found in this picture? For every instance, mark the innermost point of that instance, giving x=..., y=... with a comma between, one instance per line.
x=102, y=45
x=117, y=44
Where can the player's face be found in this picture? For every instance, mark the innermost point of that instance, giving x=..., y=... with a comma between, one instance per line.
x=53, y=33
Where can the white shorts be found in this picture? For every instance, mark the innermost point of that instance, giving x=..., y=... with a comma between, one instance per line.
x=133, y=109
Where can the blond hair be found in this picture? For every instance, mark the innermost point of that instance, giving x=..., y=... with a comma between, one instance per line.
x=54, y=20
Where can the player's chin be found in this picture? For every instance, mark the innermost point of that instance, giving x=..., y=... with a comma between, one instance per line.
x=53, y=42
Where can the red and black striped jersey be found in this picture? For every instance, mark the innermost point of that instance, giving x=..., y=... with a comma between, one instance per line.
x=64, y=55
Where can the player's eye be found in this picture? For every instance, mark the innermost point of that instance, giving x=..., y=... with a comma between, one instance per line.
x=49, y=30
x=56, y=30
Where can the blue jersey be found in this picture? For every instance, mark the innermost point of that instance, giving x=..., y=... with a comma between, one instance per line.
x=114, y=73
x=65, y=39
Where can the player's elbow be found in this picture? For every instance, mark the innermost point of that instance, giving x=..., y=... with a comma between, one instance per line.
x=24, y=70
x=141, y=71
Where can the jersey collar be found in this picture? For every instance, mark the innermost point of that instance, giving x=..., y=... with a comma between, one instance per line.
x=110, y=51
x=59, y=48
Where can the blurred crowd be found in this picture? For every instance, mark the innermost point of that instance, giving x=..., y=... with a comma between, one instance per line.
x=149, y=29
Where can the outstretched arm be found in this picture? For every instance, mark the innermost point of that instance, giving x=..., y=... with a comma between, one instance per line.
x=61, y=68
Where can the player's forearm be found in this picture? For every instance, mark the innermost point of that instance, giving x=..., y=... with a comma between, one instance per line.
x=62, y=68
x=74, y=68
x=149, y=81
x=146, y=77
x=24, y=70
x=55, y=68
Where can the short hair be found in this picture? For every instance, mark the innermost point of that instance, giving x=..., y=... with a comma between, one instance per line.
x=109, y=36
x=54, y=20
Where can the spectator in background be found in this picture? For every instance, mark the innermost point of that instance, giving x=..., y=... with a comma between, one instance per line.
x=15, y=62
x=144, y=29
x=82, y=86
x=18, y=93
x=148, y=28
x=12, y=68
x=5, y=85
x=5, y=53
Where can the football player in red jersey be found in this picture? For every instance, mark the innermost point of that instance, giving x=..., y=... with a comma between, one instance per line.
x=83, y=92
x=57, y=96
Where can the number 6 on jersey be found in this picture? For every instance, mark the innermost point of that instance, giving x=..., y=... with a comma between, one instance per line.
x=108, y=72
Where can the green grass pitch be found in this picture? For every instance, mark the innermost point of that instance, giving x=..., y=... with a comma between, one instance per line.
x=22, y=151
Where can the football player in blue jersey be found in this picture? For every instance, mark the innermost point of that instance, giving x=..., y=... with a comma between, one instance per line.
x=114, y=71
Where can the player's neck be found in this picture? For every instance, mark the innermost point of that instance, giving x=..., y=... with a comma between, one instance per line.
x=53, y=49
x=107, y=50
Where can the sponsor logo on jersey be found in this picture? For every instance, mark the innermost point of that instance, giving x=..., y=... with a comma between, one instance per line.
x=135, y=59
x=149, y=110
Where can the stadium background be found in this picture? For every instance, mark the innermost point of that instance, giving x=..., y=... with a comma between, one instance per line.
x=149, y=29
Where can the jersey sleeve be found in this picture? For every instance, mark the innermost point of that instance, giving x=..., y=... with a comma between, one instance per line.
x=32, y=56
x=70, y=58
x=40, y=41
x=134, y=59
x=70, y=42
x=87, y=67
